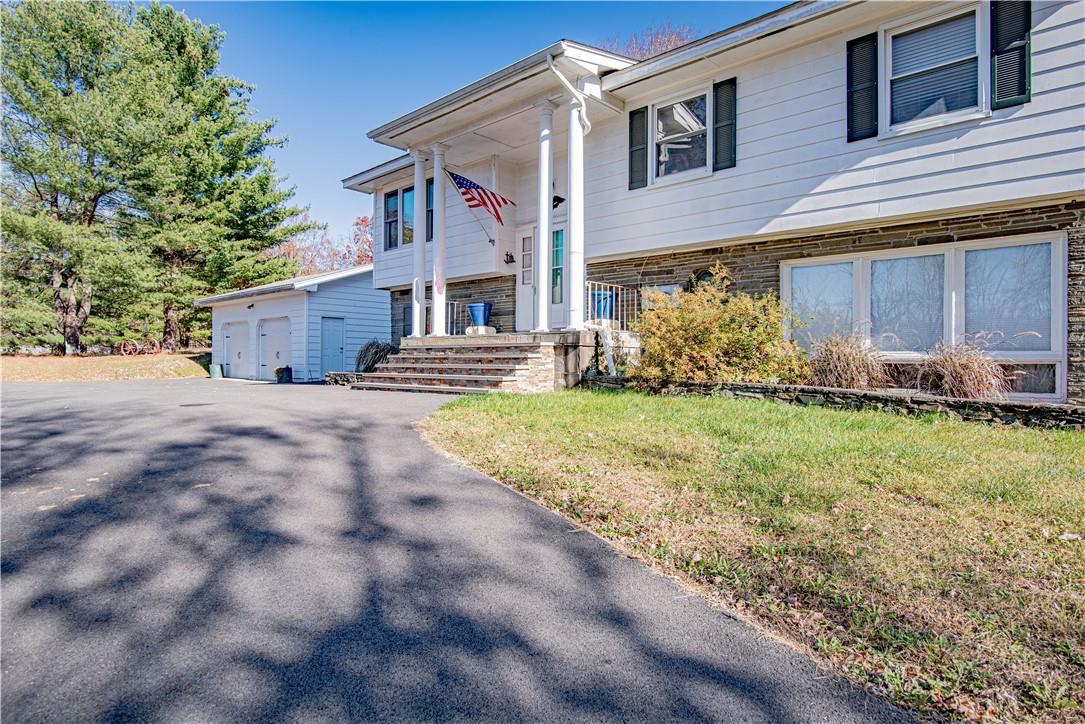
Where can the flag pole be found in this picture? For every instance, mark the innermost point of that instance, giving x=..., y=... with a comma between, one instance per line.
x=470, y=210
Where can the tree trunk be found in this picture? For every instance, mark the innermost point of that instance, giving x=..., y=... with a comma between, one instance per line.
x=72, y=307
x=171, y=327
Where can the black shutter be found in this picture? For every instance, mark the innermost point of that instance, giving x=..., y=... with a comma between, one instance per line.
x=724, y=119
x=638, y=148
x=1011, y=26
x=863, y=87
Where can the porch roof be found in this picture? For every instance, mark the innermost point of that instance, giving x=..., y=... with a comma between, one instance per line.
x=523, y=83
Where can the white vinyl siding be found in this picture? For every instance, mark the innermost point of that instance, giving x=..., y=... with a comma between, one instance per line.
x=1006, y=296
x=798, y=172
x=366, y=311
x=468, y=251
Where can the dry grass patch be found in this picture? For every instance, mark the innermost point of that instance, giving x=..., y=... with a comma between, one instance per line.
x=939, y=561
x=87, y=369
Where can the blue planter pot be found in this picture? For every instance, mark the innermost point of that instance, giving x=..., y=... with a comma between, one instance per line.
x=480, y=313
x=603, y=303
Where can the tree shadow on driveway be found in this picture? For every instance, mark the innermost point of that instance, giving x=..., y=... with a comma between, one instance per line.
x=301, y=555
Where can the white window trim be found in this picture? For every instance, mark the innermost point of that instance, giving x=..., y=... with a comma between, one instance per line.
x=689, y=174
x=953, y=298
x=983, y=68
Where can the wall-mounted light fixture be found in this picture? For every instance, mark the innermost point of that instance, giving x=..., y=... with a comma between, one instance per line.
x=509, y=258
x=558, y=201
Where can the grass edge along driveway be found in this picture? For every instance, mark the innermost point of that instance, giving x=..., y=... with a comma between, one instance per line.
x=97, y=368
x=936, y=561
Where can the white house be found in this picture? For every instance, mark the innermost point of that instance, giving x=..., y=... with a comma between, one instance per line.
x=315, y=324
x=913, y=171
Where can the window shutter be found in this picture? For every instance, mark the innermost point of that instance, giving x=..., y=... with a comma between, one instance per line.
x=638, y=148
x=863, y=87
x=724, y=120
x=1011, y=25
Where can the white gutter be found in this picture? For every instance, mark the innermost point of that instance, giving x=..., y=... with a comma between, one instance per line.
x=577, y=95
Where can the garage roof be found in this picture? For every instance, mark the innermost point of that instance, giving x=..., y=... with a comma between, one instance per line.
x=305, y=283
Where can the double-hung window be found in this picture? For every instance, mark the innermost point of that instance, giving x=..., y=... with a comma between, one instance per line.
x=407, y=215
x=689, y=133
x=681, y=136
x=1006, y=296
x=937, y=68
x=934, y=69
x=391, y=220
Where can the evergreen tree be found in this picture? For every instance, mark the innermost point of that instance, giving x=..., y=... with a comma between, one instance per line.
x=138, y=176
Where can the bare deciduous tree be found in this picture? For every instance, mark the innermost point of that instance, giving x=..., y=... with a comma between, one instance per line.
x=652, y=41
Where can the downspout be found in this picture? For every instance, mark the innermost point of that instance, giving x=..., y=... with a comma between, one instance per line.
x=578, y=96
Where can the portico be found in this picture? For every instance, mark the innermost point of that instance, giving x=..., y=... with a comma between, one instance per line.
x=525, y=143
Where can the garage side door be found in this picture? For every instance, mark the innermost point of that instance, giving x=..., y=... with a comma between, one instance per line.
x=274, y=346
x=235, y=349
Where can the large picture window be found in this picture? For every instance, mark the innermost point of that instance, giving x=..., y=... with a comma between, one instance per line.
x=1007, y=296
x=399, y=216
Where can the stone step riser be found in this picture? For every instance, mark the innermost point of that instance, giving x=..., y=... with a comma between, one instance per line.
x=473, y=370
x=377, y=386
x=439, y=380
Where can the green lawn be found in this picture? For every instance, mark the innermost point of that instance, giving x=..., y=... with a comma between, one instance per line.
x=938, y=560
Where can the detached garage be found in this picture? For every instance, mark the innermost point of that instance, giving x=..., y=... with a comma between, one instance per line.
x=314, y=324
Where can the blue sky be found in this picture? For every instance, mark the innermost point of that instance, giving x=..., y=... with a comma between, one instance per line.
x=329, y=72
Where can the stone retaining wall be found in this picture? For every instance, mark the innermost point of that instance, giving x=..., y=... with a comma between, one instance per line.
x=998, y=412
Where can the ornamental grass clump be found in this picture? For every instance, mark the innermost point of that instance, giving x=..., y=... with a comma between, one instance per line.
x=372, y=353
x=847, y=361
x=962, y=370
x=709, y=334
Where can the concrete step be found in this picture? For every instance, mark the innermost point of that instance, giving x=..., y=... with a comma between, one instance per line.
x=443, y=389
x=460, y=353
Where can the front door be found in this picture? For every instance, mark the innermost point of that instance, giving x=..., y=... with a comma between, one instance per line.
x=557, y=276
x=525, y=279
x=332, y=344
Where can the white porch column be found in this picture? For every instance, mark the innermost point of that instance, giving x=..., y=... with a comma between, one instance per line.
x=439, y=307
x=575, y=235
x=418, y=283
x=542, y=258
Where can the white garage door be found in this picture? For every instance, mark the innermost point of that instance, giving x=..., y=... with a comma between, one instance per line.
x=274, y=346
x=235, y=349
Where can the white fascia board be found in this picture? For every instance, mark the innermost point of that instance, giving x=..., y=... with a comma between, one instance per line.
x=790, y=15
x=363, y=181
x=604, y=59
x=311, y=284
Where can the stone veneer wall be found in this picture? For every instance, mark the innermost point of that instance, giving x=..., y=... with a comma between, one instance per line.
x=996, y=412
x=756, y=266
x=498, y=291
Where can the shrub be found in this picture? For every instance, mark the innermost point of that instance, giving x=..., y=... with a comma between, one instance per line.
x=372, y=354
x=847, y=361
x=708, y=334
x=962, y=370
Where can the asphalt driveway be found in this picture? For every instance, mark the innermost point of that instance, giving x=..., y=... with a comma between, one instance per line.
x=190, y=550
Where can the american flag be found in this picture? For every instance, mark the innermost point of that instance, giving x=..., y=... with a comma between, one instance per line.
x=476, y=196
